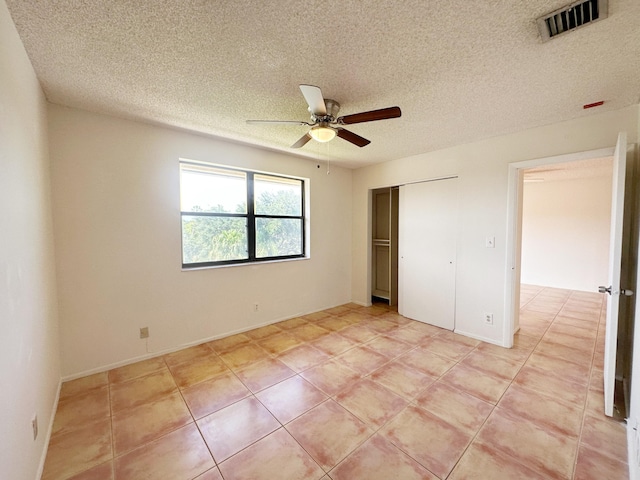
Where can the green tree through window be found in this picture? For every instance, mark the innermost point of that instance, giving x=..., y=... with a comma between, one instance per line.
x=265, y=223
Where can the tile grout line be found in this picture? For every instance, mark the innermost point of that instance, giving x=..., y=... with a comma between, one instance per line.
x=533, y=350
x=334, y=397
x=388, y=360
x=577, y=448
x=282, y=425
x=584, y=417
x=586, y=400
x=495, y=406
x=413, y=401
x=493, y=409
x=195, y=422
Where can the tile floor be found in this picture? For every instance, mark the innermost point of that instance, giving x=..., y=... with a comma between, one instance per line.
x=354, y=393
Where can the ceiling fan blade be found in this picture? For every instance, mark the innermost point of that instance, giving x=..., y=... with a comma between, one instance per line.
x=352, y=137
x=286, y=122
x=313, y=96
x=382, y=114
x=303, y=141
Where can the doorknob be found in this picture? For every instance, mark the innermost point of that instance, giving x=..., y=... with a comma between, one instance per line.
x=628, y=293
x=602, y=289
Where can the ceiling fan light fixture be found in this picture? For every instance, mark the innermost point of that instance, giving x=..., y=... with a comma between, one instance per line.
x=322, y=134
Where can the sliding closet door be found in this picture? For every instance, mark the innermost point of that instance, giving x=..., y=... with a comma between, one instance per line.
x=427, y=250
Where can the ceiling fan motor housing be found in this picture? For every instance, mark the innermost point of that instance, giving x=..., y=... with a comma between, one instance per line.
x=333, y=108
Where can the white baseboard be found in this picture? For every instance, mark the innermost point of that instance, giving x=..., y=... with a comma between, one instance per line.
x=158, y=353
x=47, y=438
x=479, y=337
x=362, y=304
x=634, y=470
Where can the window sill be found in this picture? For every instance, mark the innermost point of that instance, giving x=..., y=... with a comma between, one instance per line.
x=246, y=264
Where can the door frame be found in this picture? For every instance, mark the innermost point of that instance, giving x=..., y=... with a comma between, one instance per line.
x=514, y=230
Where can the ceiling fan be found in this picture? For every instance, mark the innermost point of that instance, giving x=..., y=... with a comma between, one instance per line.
x=325, y=123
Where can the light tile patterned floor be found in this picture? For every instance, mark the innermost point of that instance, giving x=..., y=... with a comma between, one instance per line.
x=355, y=393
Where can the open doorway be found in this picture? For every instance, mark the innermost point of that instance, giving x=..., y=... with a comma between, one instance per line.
x=514, y=226
x=620, y=253
x=566, y=236
x=566, y=222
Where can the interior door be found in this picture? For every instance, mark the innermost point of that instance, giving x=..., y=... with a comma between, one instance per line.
x=615, y=261
x=427, y=251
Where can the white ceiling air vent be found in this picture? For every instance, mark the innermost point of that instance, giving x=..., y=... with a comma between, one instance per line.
x=572, y=16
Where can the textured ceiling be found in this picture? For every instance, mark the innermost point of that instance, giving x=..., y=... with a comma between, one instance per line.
x=460, y=70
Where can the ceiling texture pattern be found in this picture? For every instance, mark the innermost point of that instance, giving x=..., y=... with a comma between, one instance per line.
x=460, y=70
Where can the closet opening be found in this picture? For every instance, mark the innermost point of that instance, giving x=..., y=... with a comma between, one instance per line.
x=384, y=245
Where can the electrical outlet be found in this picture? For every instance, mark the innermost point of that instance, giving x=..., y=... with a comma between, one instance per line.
x=255, y=307
x=144, y=332
x=488, y=318
x=34, y=426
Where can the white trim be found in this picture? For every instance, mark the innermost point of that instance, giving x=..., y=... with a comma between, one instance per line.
x=43, y=456
x=567, y=157
x=512, y=263
x=159, y=353
x=632, y=460
x=424, y=180
x=436, y=179
x=479, y=337
x=249, y=264
x=362, y=304
x=205, y=163
x=511, y=269
x=368, y=243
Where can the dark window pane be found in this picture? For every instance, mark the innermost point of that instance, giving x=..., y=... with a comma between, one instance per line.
x=213, y=239
x=277, y=196
x=208, y=189
x=278, y=237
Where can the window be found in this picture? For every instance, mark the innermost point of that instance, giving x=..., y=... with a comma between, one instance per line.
x=237, y=216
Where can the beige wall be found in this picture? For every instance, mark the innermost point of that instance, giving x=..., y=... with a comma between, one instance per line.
x=566, y=226
x=482, y=167
x=29, y=347
x=117, y=224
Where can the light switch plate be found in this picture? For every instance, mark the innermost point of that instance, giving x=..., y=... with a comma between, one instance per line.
x=490, y=242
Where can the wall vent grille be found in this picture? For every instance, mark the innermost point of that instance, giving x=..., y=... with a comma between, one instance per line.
x=572, y=16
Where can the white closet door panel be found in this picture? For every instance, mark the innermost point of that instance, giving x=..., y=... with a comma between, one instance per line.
x=427, y=249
